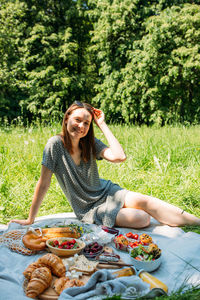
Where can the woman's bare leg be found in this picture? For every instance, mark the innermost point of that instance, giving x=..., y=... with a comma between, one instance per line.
x=162, y=211
x=133, y=218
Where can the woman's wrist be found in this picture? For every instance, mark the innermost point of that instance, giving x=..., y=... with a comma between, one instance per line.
x=30, y=220
x=102, y=125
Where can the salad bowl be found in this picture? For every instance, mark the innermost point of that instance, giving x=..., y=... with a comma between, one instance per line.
x=146, y=260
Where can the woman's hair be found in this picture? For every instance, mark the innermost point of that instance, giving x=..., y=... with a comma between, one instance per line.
x=87, y=142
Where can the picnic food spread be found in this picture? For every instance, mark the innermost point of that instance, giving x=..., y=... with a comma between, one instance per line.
x=52, y=273
x=36, y=239
x=124, y=242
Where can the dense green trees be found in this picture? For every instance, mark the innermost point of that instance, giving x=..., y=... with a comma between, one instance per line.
x=44, y=56
x=137, y=60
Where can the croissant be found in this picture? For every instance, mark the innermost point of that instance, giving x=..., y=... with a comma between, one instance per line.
x=59, y=283
x=32, y=267
x=63, y=283
x=40, y=280
x=54, y=263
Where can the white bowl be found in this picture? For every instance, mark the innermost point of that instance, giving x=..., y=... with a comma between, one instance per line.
x=148, y=266
x=65, y=252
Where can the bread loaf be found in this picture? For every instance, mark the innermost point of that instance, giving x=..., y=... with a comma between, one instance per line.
x=33, y=241
x=60, y=232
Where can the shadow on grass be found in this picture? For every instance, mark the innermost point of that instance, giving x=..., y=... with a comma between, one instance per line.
x=191, y=228
x=191, y=294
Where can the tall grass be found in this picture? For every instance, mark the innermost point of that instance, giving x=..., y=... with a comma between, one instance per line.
x=163, y=162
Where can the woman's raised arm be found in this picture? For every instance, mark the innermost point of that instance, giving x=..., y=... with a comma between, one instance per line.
x=115, y=152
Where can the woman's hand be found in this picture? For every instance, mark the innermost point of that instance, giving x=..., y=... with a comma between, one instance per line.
x=99, y=117
x=115, y=152
x=21, y=222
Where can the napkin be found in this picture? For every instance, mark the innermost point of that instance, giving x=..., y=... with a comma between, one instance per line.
x=103, y=282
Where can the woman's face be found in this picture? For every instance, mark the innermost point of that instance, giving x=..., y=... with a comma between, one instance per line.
x=78, y=123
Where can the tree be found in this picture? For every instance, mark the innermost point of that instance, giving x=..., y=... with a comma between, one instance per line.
x=125, y=89
x=119, y=55
x=166, y=70
x=11, y=68
x=50, y=55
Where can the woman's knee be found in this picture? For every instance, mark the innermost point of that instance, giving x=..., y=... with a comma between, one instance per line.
x=133, y=218
x=135, y=200
x=144, y=219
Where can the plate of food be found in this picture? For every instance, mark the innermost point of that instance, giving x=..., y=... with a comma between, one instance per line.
x=121, y=242
x=147, y=258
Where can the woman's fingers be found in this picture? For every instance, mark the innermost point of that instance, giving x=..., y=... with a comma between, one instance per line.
x=97, y=112
x=21, y=222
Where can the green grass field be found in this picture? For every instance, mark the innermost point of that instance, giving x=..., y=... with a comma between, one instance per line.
x=163, y=162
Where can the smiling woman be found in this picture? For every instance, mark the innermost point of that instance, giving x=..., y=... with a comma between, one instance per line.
x=72, y=156
x=77, y=131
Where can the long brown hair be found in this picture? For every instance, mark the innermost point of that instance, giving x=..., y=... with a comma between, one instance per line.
x=87, y=142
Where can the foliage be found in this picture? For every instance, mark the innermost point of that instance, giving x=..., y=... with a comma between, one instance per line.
x=50, y=57
x=11, y=68
x=148, y=61
x=137, y=60
x=166, y=69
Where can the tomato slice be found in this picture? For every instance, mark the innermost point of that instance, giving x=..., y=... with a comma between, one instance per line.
x=135, y=236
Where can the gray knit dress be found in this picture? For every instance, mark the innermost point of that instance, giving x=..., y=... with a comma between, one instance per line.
x=93, y=200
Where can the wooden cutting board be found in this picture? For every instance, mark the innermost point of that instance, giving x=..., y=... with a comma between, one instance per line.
x=50, y=294
x=107, y=265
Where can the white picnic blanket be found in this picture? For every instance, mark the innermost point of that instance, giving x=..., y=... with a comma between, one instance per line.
x=180, y=256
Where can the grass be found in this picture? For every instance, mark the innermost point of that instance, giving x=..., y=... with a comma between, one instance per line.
x=192, y=294
x=163, y=162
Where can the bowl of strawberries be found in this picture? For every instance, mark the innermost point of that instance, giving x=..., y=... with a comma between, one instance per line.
x=62, y=246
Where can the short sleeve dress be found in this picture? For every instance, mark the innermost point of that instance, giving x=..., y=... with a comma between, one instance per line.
x=94, y=200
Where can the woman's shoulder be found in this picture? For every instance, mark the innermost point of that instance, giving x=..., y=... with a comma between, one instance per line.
x=54, y=140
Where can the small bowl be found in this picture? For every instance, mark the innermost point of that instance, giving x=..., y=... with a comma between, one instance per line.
x=65, y=252
x=92, y=255
x=121, y=243
x=148, y=266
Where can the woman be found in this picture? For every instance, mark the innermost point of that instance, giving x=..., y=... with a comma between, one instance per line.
x=72, y=155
